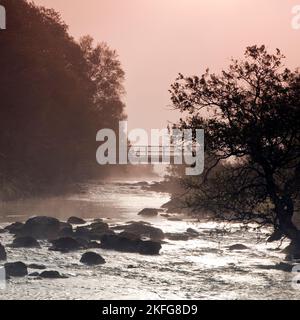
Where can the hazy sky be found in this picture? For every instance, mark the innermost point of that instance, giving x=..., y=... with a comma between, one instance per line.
x=157, y=39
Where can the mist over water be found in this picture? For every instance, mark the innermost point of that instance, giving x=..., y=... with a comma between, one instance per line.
x=198, y=268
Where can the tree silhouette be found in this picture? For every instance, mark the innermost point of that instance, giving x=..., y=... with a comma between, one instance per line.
x=251, y=117
x=54, y=98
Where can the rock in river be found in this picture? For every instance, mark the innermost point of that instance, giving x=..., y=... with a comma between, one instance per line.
x=238, y=247
x=92, y=258
x=16, y=269
x=115, y=242
x=51, y=275
x=42, y=227
x=143, y=230
x=66, y=244
x=148, y=212
x=25, y=242
x=15, y=228
x=76, y=220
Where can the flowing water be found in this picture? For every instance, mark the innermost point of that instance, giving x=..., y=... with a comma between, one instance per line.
x=201, y=268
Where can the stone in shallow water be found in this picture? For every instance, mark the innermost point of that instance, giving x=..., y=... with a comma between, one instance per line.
x=143, y=230
x=238, y=247
x=76, y=220
x=41, y=227
x=3, y=255
x=15, y=228
x=66, y=244
x=52, y=275
x=148, y=212
x=36, y=266
x=16, y=269
x=192, y=231
x=92, y=258
x=115, y=242
x=25, y=242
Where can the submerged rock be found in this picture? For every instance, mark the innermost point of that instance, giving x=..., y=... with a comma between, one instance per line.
x=99, y=226
x=51, y=275
x=16, y=269
x=115, y=242
x=149, y=247
x=143, y=230
x=15, y=228
x=192, y=231
x=76, y=220
x=42, y=227
x=36, y=266
x=66, y=244
x=238, y=247
x=25, y=242
x=148, y=212
x=92, y=258
x=3, y=255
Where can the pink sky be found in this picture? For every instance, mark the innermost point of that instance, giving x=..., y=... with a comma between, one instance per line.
x=157, y=39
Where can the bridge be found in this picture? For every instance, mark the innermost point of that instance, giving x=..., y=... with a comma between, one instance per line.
x=156, y=154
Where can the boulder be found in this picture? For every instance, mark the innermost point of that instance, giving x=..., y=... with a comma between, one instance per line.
x=3, y=255
x=34, y=274
x=149, y=247
x=25, y=242
x=51, y=275
x=14, y=228
x=36, y=266
x=65, y=229
x=76, y=220
x=66, y=244
x=66, y=232
x=292, y=251
x=143, y=230
x=82, y=232
x=16, y=269
x=192, y=231
x=93, y=233
x=99, y=226
x=237, y=247
x=92, y=258
x=42, y=228
x=115, y=242
x=2, y=230
x=148, y=212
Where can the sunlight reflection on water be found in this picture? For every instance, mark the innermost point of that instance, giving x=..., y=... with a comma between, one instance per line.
x=202, y=268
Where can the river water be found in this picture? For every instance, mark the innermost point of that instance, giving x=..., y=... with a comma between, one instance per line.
x=201, y=268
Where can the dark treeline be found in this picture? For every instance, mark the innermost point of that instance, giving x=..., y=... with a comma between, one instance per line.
x=55, y=94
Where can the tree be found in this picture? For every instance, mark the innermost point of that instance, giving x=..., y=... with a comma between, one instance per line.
x=50, y=107
x=251, y=117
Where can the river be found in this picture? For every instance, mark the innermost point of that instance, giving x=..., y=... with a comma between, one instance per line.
x=201, y=268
